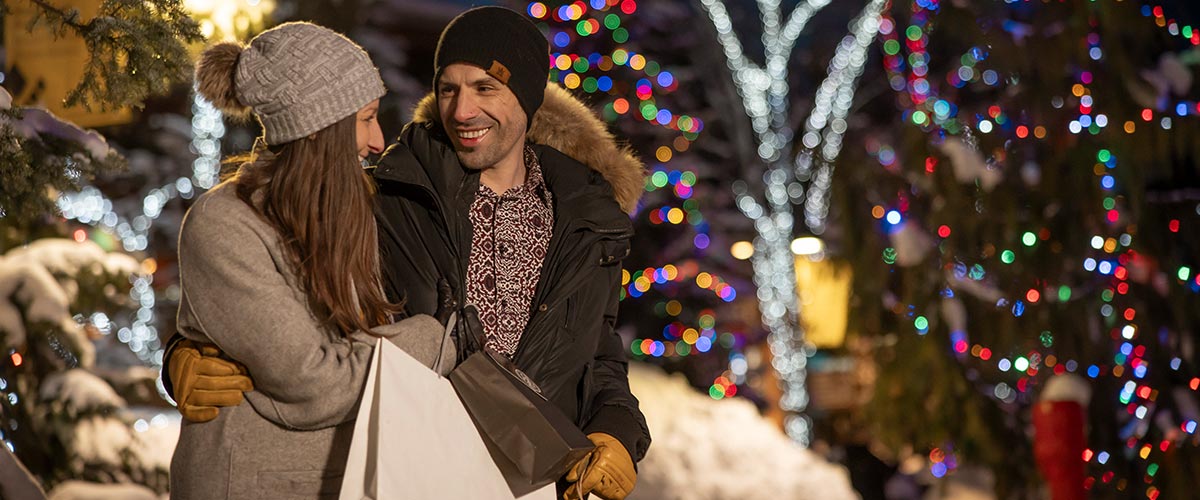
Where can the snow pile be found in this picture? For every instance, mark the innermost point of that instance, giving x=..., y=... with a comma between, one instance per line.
x=38, y=279
x=157, y=435
x=969, y=165
x=80, y=390
x=98, y=430
x=36, y=122
x=30, y=287
x=99, y=440
x=69, y=257
x=911, y=243
x=710, y=450
x=101, y=434
x=74, y=408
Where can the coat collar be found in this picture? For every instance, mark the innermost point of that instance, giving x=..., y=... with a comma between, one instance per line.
x=565, y=124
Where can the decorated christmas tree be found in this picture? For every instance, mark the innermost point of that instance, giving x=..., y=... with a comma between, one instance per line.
x=1020, y=214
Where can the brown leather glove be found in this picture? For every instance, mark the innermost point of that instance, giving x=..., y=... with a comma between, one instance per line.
x=204, y=382
x=608, y=471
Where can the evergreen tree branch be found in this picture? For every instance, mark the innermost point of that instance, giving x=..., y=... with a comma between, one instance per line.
x=136, y=48
x=40, y=155
x=56, y=15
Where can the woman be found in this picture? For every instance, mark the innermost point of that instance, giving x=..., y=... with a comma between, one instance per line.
x=278, y=269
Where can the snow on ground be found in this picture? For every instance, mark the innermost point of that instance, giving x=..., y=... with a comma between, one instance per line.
x=704, y=449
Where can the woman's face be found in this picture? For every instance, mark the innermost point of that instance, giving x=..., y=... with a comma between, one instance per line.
x=367, y=133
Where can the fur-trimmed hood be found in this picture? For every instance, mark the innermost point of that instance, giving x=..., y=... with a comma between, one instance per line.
x=566, y=124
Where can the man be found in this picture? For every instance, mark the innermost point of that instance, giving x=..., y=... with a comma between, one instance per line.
x=531, y=237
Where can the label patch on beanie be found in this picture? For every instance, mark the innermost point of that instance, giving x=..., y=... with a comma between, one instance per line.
x=499, y=72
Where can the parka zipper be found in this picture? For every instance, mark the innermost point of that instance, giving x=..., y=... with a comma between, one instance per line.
x=449, y=233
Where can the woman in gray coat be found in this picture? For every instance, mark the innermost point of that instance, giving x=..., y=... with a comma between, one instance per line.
x=279, y=269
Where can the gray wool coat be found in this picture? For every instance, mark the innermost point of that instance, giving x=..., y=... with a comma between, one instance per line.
x=289, y=439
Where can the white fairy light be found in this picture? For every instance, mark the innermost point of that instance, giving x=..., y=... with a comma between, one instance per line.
x=764, y=93
x=89, y=206
x=830, y=109
x=207, y=130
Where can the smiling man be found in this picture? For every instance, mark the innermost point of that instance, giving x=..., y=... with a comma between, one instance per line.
x=534, y=237
x=485, y=121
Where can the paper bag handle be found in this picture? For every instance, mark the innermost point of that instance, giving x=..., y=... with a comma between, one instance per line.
x=437, y=363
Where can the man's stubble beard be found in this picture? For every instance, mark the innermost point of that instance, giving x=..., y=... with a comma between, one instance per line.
x=477, y=160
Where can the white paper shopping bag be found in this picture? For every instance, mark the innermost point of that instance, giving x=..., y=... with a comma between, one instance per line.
x=414, y=439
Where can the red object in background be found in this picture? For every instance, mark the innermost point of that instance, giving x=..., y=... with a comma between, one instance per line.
x=1058, y=447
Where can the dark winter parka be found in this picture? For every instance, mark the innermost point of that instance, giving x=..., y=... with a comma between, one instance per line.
x=569, y=347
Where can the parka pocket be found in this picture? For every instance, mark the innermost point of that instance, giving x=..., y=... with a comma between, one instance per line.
x=568, y=319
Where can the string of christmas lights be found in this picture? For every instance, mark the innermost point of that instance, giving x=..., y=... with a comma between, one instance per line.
x=571, y=69
x=1186, y=32
x=91, y=207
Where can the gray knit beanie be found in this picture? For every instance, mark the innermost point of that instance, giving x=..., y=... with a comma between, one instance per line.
x=297, y=78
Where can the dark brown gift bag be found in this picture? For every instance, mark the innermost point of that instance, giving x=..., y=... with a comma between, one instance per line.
x=533, y=443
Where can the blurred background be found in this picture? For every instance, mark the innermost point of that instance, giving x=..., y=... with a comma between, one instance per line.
x=887, y=249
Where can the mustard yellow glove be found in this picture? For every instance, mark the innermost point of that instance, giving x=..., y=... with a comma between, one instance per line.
x=204, y=382
x=607, y=472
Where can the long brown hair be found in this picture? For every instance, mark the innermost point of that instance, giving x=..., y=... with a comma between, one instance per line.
x=315, y=193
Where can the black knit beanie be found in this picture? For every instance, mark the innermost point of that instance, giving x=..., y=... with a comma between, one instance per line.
x=505, y=44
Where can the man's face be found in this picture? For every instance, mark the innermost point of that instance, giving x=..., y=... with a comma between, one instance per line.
x=482, y=116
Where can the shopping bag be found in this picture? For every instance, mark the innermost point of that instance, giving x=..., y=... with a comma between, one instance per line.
x=414, y=439
x=532, y=441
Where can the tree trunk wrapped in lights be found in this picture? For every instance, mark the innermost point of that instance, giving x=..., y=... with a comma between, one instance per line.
x=792, y=175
